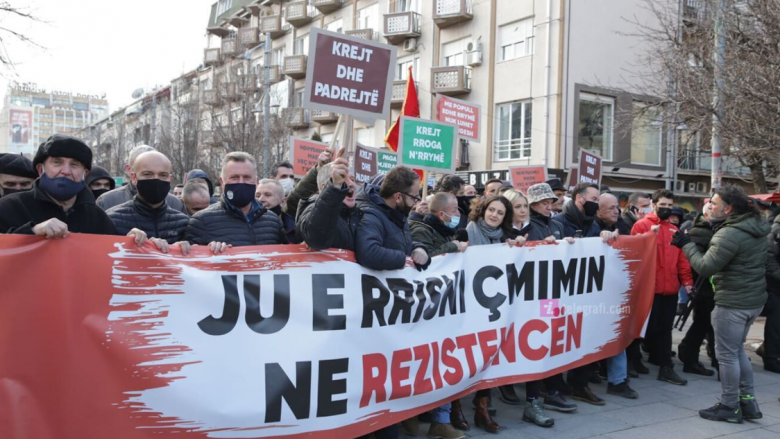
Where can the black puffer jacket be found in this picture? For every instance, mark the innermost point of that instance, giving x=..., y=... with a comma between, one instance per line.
x=382, y=240
x=22, y=211
x=160, y=222
x=222, y=222
x=126, y=193
x=325, y=222
x=541, y=227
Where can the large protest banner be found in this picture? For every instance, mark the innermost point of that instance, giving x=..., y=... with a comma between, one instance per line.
x=103, y=339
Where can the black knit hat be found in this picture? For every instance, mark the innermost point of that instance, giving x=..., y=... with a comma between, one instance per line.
x=17, y=165
x=61, y=145
x=98, y=173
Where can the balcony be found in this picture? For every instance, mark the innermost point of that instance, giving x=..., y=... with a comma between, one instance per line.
x=229, y=46
x=328, y=6
x=211, y=56
x=295, y=66
x=249, y=83
x=694, y=11
x=366, y=34
x=451, y=81
x=210, y=97
x=701, y=161
x=248, y=37
x=229, y=91
x=324, y=117
x=299, y=13
x=295, y=118
x=273, y=24
x=399, y=93
x=400, y=26
x=450, y=12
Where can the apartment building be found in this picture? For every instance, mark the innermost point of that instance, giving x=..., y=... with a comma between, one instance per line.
x=31, y=114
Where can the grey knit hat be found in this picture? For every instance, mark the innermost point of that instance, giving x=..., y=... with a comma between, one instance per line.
x=540, y=192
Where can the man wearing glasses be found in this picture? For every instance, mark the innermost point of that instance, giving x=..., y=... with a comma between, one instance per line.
x=383, y=239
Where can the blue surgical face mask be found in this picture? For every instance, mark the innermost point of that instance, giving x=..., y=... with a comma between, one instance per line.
x=453, y=222
x=61, y=188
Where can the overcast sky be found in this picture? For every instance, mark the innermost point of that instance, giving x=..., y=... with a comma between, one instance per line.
x=106, y=46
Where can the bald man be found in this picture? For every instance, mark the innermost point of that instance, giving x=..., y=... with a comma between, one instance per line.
x=149, y=210
x=126, y=193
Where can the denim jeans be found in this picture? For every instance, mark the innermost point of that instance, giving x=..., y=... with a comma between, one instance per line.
x=441, y=415
x=683, y=295
x=731, y=327
x=617, y=368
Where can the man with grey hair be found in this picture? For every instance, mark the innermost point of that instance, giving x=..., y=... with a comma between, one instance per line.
x=128, y=192
x=237, y=219
x=270, y=194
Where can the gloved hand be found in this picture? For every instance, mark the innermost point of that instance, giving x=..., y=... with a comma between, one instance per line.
x=680, y=239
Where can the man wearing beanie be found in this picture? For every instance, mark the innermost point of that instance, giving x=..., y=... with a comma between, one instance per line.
x=60, y=202
x=16, y=174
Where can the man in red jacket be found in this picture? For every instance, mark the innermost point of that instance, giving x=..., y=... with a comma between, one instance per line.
x=672, y=270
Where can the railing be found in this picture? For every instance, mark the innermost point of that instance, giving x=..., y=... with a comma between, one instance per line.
x=702, y=161
x=324, y=117
x=401, y=25
x=248, y=36
x=273, y=24
x=694, y=10
x=366, y=34
x=299, y=13
x=210, y=97
x=399, y=93
x=327, y=6
x=229, y=46
x=451, y=80
x=295, y=117
x=449, y=12
x=513, y=149
x=295, y=66
x=211, y=56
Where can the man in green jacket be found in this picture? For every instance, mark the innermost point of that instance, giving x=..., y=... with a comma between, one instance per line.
x=735, y=262
x=437, y=229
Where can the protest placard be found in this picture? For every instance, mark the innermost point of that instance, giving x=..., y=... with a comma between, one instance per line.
x=589, y=168
x=304, y=154
x=427, y=145
x=462, y=114
x=524, y=177
x=365, y=163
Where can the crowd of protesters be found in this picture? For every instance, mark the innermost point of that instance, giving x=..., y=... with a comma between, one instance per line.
x=722, y=262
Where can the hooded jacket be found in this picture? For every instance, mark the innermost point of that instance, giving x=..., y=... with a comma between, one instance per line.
x=736, y=261
x=22, y=211
x=97, y=173
x=672, y=269
x=158, y=222
x=126, y=193
x=222, y=222
x=382, y=239
x=325, y=222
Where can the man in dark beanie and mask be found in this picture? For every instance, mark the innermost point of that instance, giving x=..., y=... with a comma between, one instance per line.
x=16, y=174
x=100, y=181
x=672, y=270
x=237, y=219
x=148, y=210
x=60, y=202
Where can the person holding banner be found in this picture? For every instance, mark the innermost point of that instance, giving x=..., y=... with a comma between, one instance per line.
x=270, y=195
x=520, y=218
x=383, y=240
x=238, y=219
x=437, y=229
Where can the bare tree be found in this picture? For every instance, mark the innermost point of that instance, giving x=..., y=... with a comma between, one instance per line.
x=8, y=10
x=678, y=68
x=180, y=140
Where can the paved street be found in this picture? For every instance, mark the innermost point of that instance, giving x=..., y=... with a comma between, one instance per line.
x=662, y=411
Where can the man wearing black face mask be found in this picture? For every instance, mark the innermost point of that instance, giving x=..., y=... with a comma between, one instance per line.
x=59, y=202
x=237, y=219
x=672, y=270
x=16, y=174
x=148, y=210
x=100, y=181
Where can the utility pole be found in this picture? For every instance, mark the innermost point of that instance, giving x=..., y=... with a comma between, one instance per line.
x=719, y=59
x=266, y=103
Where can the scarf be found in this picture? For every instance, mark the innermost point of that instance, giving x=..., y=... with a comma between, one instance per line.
x=435, y=223
x=482, y=234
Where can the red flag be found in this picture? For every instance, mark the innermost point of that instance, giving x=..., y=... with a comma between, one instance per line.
x=411, y=108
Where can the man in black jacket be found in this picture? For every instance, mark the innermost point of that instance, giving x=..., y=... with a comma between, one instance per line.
x=383, y=240
x=148, y=210
x=16, y=174
x=270, y=195
x=238, y=219
x=59, y=202
x=638, y=206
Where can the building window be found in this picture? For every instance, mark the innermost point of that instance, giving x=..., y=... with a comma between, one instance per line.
x=516, y=39
x=402, y=68
x=277, y=57
x=404, y=6
x=368, y=17
x=298, y=97
x=595, y=124
x=327, y=138
x=335, y=26
x=514, y=131
x=301, y=46
x=453, y=53
x=365, y=136
x=646, y=137
x=223, y=6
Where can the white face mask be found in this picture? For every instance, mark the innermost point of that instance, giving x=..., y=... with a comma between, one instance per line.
x=287, y=184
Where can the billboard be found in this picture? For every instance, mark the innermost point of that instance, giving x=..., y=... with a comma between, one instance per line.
x=20, y=132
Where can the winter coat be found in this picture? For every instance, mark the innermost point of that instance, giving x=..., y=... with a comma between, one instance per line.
x=325, y=222
x=305, y=188
x=773, y=266
x=620, y=226
x=22, y=211
x=434, y=235
x=382, y=240
x=572, y=220
x=672, y=269
x=736, y=260
x=701, y=234
x=629, y=219
x=126, y=193
x=542, y=226
x=222, y=222
x=159, y=222
x=288, y=224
